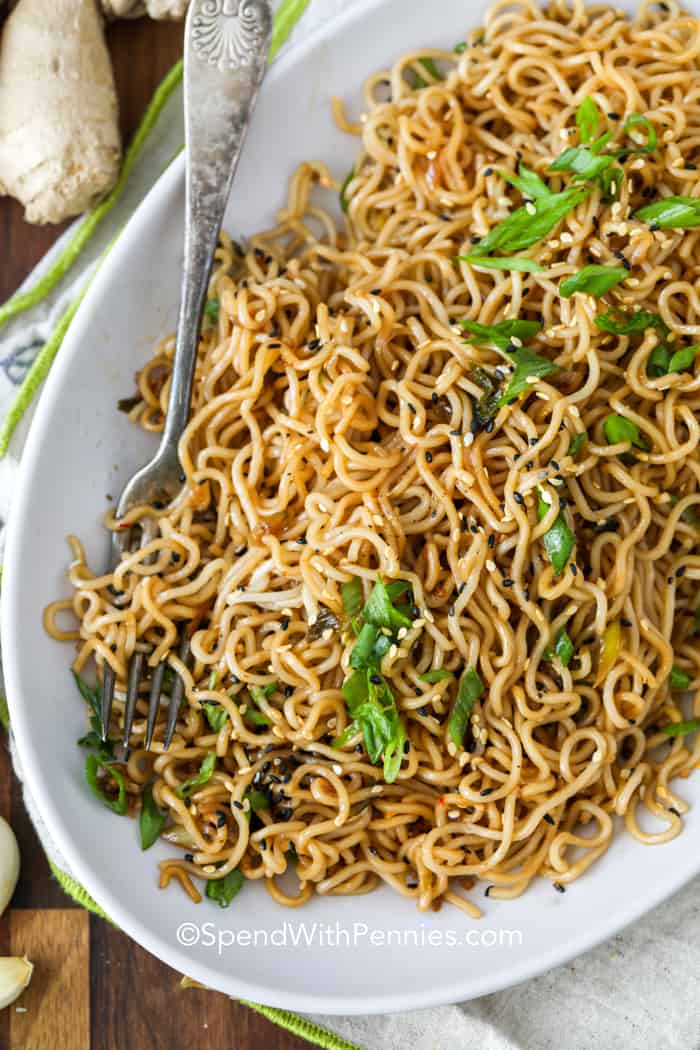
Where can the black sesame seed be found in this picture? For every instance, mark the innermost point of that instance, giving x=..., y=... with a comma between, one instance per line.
x=284, y=624
x=428, y=457
x=507, y=582
x=288, y=690
x=375, y=679
x=492, y=541
x=548, y=818
x=614, y=116
x=189, y=857
x=475, y=240
x=559, y=888
x=314, y=344
x=574, y=569
x=625, y=623
x=237, y=804
x=519, y=498
x=487, y=791
x=489, y=426
x=680, y=571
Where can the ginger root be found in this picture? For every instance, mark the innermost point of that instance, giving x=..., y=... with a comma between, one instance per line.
x=154, y=8
x=59, y=134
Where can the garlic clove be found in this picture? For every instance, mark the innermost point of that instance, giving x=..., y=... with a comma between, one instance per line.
x=9, y=864
x=15, y=975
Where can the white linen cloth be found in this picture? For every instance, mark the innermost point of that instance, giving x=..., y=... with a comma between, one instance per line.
x=638, y=991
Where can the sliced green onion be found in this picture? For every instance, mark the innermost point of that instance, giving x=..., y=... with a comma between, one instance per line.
x=151, y=820
x=206, y=771
x=224, y=890
x=559, y=541
x=593, y=280
x=470, y=689
x=93, y=765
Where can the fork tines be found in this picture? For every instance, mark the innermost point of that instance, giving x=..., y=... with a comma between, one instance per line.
x=134, y=679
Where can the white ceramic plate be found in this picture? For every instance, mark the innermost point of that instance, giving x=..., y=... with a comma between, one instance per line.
x=81, y=449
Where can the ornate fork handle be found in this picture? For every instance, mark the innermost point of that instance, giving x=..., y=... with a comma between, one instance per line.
x=226, y=48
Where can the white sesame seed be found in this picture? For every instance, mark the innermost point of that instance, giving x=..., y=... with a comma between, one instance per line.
x=490, y=565
x=530, y=209
x=337, y=769
x=468, y=439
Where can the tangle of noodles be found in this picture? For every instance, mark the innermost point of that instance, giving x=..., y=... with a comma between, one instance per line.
x=338, y=433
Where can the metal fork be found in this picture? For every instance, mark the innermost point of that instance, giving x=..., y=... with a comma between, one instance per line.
x=226, y=49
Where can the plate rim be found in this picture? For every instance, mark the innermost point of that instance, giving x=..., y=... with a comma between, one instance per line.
x=595, y=932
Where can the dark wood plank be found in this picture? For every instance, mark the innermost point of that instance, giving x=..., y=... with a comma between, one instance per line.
x=149, y=1010
x=54, y=1011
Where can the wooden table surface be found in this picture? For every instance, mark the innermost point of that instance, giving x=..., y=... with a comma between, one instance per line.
x=93, y=988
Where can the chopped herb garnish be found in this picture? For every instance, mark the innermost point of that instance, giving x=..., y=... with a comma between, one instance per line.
x=563, y=648
x=93, y=765
x=577, y=443
x=224, y=890
x=529, y=366
x=531, y=223
x=658, y=362
x=216, y=715
x=592, y=280
x=559, y=541
x=369, y=699
x=344, y=202
x=683, y=359
x=151, y=820
x=636, y=120
x=619, y=429
x=681, y=213
x=485, y=409
x=587, y=120
x=681, y=728
x=470, y=689
x=346, y=736
x=439, y=674
x=622, y=322
x=205, y=774
x=502, y=333
x=211, y=310
x=351, y=593
x=497, y=262
x=257, y=800
x=678, y=678
x=428, y=65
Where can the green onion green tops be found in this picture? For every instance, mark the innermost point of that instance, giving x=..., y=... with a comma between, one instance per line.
x=498, y=262
x=559, y=541
x=678, y=678
x=681, y=728
x=151, y=820
x=507, y=337
x=619, y=429
x=211, y=309
x=577, y=443
x=206, y=771
x=470, y=690
x=624, y=322
x=225, y=889
x=592, y=280
x=563, y=648
x=682, y=213
x=532, y=222
x=216, y=715
x=94, y=766
x=438, y=675
x=344, y=202
x=502, y=333
x=368, y=697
